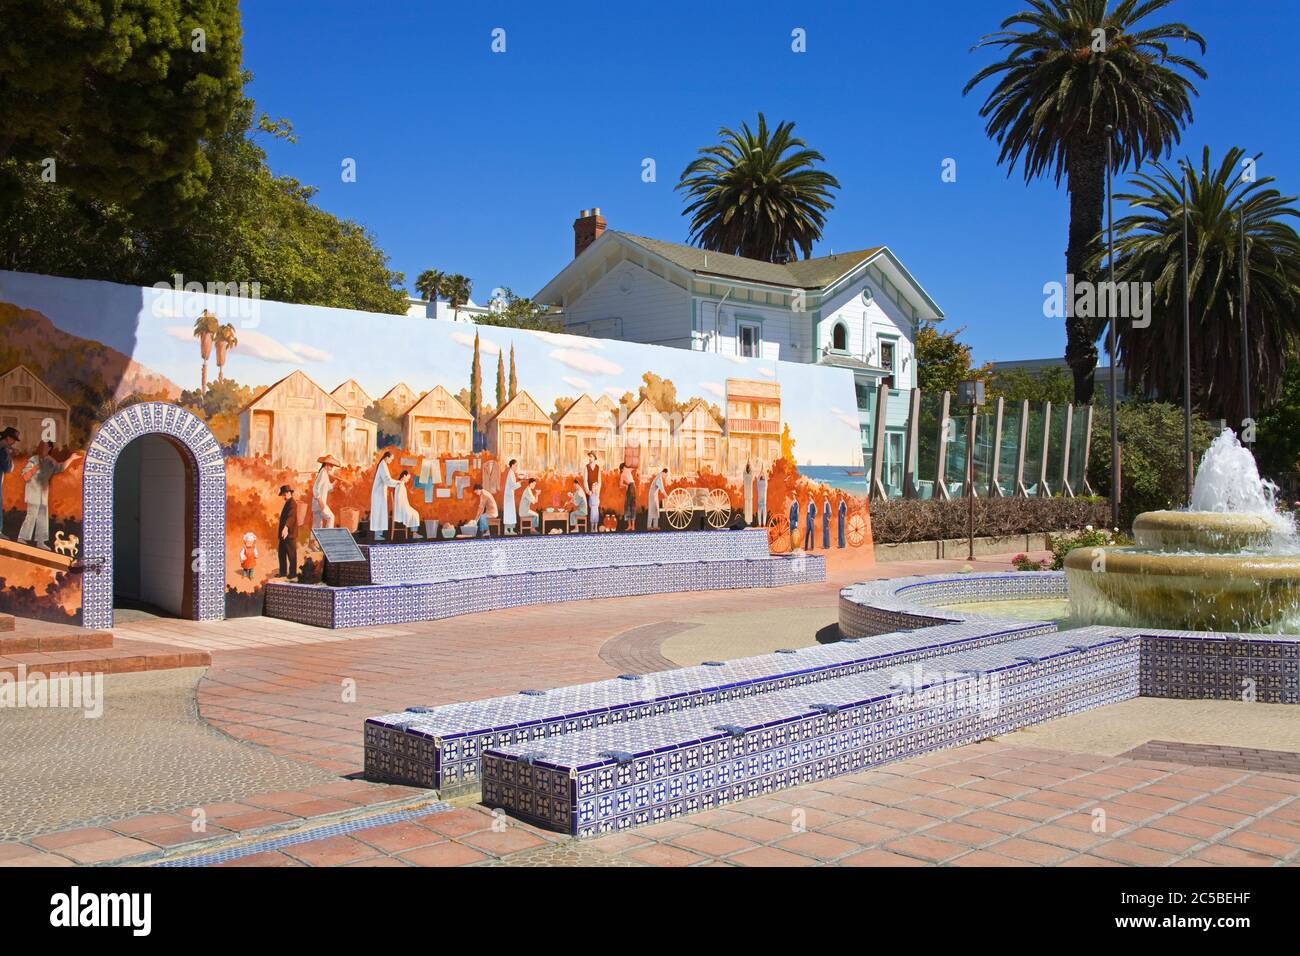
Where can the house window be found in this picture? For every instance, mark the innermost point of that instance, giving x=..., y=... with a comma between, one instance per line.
x=747, y=336
x=840, y=338
x=887, y=361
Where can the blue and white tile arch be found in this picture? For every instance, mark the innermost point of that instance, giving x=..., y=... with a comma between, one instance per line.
x=208, y=491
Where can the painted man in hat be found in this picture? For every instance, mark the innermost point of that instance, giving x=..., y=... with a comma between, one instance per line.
x=288, y=534
x=8, y=438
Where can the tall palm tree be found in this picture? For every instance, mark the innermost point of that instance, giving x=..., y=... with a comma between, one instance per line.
x=225, y=340
x=206, y=327
x=456, y=288
x=756, y=194
x=1149, y=248
x=430, y=284
x=1072, y=68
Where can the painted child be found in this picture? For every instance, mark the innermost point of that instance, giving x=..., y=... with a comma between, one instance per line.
x=248, y=555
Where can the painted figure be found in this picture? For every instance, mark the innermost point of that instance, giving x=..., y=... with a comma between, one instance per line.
x=760, y=498
x=403, y=513
x=511, y=518
x=658, y=491
x=591, y=485
x=843, y=519
x=748, y=481
x=794, y=521
x=38, y=472
x=809, y=533
x=578, y=497
x=487, y=508
x=321, y=516
x=826, y=523
x=379, y=497
x=627, y=481
x=248, y=555
x=287, y=545
x=527, y=504
x=8, y=438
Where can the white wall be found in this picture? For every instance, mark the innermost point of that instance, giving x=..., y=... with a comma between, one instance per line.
x=882, y=316
x=634, y=305
x=785, y=335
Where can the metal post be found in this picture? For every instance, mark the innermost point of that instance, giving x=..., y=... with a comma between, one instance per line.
x=1187, y=351
x=1245, y=318
x=970, y=484
x=1110, y=338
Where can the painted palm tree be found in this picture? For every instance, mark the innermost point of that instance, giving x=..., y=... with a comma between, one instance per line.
x=1149, y=248
x=1072, y=68
x=225, y=340
x=206, y=327
x=430, y=284
x=456, y=288
x=757, y=193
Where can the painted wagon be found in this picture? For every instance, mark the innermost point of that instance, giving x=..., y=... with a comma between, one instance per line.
x=683, y=504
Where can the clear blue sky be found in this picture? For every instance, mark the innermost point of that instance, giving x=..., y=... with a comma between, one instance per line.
x=476, y=162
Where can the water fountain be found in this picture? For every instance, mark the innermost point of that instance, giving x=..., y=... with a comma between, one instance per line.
x=1231, y=562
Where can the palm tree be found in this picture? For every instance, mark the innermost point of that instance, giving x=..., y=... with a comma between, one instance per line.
x=456, y=288
x=430, y=285
x=1072, y=68
x=206, y=327
x=225, y=340
x=1149, y=248
x=756, y=194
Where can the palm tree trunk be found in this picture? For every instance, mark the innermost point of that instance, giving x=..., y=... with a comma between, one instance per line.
x=1086, y=174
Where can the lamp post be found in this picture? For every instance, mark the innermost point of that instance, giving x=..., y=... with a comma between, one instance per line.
x=970, y=394
x=1187, y=349
x=1110, y=338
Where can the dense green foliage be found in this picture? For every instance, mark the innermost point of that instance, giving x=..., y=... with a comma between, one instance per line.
x=1050, y=384
x=518, y=312
x=942, y=360
x=1070, y=69
x=1151, y=456
x=757, y=193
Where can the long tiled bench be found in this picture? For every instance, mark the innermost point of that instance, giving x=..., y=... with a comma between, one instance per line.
x=441, y=747
x=402, y=583
x=614, y=777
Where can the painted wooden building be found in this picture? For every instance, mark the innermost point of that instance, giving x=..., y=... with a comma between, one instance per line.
x=520, y=429
x=753, y=424
x=646, y=438
x=698, y=442
x=360, y=434
x=292, y=424
x=398, y=399
x=585, y=426
x=29, y=405
x=438, y=424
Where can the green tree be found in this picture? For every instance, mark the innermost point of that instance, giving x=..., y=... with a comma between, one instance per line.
x=475, y=385
x=501, y=380
x=1151, y=456
x=456, y=288
x=429, y=284
x=1149, y=249
x=757, y=194
x=942, y=360
x=516, y=312
x=514, y=383
x=1277, y=434
x=1050, y=384
x=1072, y=68
x=119, y=95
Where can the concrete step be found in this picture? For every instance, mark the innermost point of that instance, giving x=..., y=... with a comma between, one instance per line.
x=125, y=657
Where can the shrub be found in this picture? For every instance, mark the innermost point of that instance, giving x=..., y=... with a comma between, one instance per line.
x=1090, y=537
x=899, y=520
x=1023, y=562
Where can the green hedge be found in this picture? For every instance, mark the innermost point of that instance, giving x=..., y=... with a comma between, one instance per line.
x=904, y=519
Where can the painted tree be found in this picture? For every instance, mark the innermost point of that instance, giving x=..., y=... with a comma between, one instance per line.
x=120, y=96
x=206, y=328
x=501, y=380
x=475, y=385
x=757, y=193
x=1072, y=68
x=514, y=383
x=225, y=340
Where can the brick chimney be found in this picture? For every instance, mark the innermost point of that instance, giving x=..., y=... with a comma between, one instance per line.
x=587, y=229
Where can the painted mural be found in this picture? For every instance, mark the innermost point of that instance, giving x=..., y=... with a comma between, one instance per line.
x=396, y=428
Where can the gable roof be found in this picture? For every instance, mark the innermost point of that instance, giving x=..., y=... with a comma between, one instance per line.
x=361, y=392
x=299, y=374
x=520, y=398
x=581, y=405
x=703, y=409
x=657, y=419
x=457, y=410
x=48, y=395
x=393, y=394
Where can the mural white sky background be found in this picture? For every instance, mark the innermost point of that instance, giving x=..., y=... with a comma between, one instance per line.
x=332, y=345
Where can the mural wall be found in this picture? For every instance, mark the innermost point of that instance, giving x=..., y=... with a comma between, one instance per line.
x=283, y=388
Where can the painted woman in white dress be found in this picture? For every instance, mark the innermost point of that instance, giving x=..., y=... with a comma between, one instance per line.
x=403, y=513
x=379, y=497
x=510, y=511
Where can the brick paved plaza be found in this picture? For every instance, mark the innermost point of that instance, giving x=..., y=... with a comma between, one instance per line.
x=263, y=749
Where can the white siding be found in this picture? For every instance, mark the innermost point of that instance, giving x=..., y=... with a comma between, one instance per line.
x=634, y=305
x=785, y=335
x=883, y=316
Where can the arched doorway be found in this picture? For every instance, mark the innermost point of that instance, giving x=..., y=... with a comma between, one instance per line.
x=172, y=468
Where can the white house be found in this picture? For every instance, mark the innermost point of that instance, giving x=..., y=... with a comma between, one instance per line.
x=857, y=310
x=441, y=309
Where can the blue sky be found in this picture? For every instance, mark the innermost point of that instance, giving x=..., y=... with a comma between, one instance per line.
x=476, y=162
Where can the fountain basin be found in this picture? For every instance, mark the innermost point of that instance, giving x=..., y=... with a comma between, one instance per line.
x=1211, y=532
x=1211, y=592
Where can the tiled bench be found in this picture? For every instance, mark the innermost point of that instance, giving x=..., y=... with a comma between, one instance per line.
x=441, y=747
x=613, y=777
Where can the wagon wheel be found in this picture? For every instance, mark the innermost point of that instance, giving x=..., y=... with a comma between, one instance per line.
x=717, y=508
x=778, y=534
x=856, y=529
x=679, y=509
